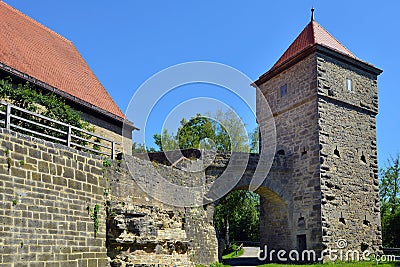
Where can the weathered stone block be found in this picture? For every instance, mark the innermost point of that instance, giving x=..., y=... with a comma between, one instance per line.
x=92, y=179
x=68, y=172
x=74, y=184
x=80, y=176
x=43, y=167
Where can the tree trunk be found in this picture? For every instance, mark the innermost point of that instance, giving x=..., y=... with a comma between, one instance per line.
x=227, y=231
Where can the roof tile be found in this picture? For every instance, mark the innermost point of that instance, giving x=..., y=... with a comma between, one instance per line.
x=312, y=34
x=31, y=48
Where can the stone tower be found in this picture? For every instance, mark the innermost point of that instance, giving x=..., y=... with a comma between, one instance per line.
x=324, y=101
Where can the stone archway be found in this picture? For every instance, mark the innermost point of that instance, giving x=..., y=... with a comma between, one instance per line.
x=289, y=204
x=277, y=230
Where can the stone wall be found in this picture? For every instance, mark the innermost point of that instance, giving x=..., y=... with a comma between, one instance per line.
x=46, y=190
x=349, y=178
x=118, y=133
x=296, y=123
x=144, y=231
x=49, y=195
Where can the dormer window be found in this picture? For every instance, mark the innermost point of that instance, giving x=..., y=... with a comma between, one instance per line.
x=283, y=90
x=349, y=84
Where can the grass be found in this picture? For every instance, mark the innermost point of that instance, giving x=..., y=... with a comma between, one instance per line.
x=233, y=254
x=356, y=264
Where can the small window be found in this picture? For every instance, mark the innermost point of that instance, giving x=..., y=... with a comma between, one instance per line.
x=349, y=84
x=283, y=90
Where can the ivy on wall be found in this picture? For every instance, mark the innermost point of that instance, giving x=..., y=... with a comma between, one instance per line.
x=45, y=103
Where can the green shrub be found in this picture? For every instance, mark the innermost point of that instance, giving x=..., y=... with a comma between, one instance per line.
x=48, y=104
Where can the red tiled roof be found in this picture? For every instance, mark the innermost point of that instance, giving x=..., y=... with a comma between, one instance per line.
x=33, y=49
x=312, y=34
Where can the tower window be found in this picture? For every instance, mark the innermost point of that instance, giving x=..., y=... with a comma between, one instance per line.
x=349, y=84
x=283, y=90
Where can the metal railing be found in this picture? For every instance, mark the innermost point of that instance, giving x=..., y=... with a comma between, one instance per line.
x=34, y=124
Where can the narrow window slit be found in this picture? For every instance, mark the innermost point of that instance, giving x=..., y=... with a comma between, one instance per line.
x=336, y=152
x=363, y=159
x=341, y=219
x=301, y=221
x=349, y=84
x=365, y=221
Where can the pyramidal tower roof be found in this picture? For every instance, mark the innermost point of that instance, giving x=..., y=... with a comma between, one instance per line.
x=312, y=34
x=314, y=37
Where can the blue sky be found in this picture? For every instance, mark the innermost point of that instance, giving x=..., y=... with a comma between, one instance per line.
x=126, y=42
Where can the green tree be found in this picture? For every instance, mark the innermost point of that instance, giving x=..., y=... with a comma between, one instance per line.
x=230, y=131
x=237, y=216
x=138, y=148
x=390, y=202
x=165, y=141
x=141, y=148
x=223, y=131
x=255, y=140
x=193, y=131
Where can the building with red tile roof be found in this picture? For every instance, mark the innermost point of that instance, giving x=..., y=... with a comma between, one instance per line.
x=31, y=52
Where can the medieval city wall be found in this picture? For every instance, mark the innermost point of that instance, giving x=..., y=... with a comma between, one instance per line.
x=144, y=231
x=48, y=204
x=63, y=207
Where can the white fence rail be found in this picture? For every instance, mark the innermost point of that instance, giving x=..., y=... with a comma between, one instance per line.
x=34, y=124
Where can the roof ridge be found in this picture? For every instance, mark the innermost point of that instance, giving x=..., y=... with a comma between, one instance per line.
x=313, y=31
x=334, y=38
x=34, y=21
